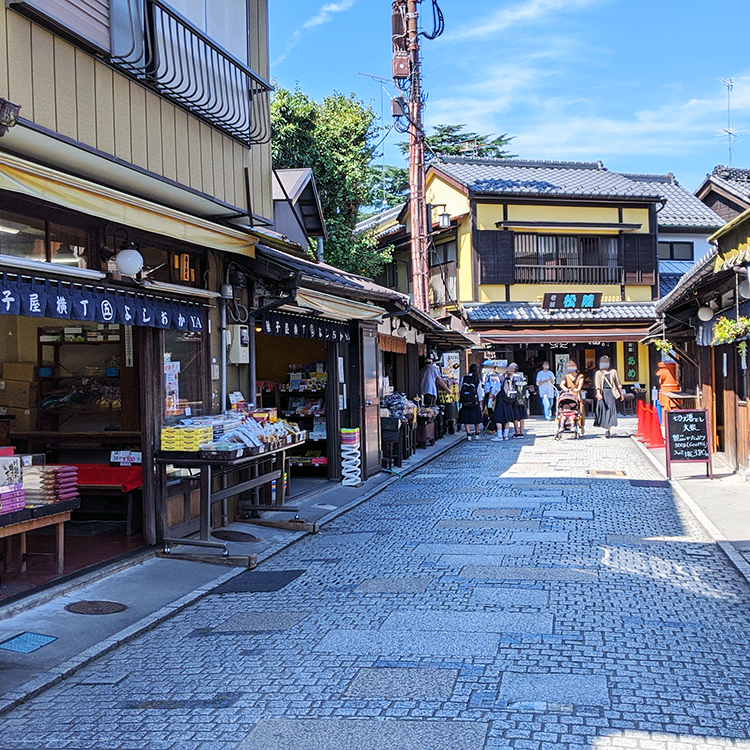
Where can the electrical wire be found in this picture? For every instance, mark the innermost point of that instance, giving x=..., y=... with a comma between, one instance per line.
x=438, y=22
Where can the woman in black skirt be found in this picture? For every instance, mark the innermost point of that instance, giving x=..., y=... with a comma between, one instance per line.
x=608, y=393
x=471, y=396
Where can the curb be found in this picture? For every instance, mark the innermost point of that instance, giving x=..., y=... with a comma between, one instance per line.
x=734, y=557
x=57, y=674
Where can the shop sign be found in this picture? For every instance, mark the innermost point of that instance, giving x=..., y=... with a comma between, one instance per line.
x=281, y=324
x=632, y=373
x=53, y=299
x=572, y=301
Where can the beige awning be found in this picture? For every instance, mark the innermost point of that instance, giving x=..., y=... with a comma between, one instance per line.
x=337, y=308
x=562, y=335
x=21, y=176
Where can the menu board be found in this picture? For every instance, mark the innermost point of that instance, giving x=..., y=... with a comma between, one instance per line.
x=688, y=438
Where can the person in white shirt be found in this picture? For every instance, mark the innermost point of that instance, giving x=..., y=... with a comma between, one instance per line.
x=545, y=383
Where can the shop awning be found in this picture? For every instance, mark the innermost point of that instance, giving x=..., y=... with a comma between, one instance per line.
x=337, y=308
x=563, y=336
x=33, y=180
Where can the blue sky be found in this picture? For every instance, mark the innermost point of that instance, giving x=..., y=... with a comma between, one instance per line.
x=634, y=83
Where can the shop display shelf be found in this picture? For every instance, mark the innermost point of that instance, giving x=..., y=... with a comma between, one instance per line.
x=15, y=516
x=37, y=511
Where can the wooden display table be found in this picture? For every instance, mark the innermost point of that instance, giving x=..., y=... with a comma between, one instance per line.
x=15, y=548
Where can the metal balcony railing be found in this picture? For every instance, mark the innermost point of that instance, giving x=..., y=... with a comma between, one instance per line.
x=443, y=284
x=569, y=274
x=166, y=53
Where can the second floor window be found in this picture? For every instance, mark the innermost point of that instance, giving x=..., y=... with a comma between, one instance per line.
x=566, y=250
x=675, y=251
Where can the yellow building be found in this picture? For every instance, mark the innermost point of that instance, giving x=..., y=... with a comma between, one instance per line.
x=545, y=260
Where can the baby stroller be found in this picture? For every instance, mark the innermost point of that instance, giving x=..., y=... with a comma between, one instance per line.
x=568, y=414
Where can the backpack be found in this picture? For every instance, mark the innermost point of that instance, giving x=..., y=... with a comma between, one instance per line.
x=509, y=390
x=521, y=394
x=468, y=394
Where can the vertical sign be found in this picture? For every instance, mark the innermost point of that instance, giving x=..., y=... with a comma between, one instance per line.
x=632, y=374
x=688, y=433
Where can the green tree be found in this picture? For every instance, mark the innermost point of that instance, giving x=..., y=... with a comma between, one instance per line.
x=454, y=140
x=390, y=186
x=335, y=139
x=446, y=140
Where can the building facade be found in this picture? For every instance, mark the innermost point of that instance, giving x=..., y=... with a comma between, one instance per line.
x=706, y=317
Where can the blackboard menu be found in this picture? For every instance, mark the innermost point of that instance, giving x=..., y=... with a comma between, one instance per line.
x=688, y=436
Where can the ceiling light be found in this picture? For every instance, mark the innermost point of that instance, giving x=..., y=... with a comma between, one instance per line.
x=7, y=229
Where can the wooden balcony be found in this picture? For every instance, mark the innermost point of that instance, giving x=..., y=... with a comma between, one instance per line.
x=550, y=274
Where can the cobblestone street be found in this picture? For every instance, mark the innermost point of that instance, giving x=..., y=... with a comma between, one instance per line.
x=529, y=594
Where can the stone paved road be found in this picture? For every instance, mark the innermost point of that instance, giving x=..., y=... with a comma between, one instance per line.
x=501, y=597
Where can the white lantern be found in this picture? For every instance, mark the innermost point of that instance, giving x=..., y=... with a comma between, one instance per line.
x=129, y=261
x=705, y=313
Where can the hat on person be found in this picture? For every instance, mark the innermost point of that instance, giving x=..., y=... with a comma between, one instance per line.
x=512, y=366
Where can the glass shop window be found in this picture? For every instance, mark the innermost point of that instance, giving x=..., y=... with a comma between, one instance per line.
x=68, y=246
x=183, y=374
x=22, y=236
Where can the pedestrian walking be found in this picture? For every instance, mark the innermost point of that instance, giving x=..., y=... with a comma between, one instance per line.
x=471, y=396
x=545, y=383
x=573, y=382
x=608, y=392
x=430, y=382
x=511, y=403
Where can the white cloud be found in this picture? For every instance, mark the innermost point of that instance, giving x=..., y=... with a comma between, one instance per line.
x=323, y=16
x=522, y=13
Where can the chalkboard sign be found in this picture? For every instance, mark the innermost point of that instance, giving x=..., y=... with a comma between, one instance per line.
x=688, y=435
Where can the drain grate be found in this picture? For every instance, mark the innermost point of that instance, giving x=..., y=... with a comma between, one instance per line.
x=253, y=582
x=25, y=643
x=95, y=608
x=228, y=535
x=605, y=473
x=223, y=700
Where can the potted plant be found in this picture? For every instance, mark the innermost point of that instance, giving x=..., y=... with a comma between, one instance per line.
x=727, y=330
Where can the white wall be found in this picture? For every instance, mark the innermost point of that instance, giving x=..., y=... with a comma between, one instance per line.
x=700, y=242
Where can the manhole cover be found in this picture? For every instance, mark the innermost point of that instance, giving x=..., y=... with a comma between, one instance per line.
x=95, y=608
x=227, y=535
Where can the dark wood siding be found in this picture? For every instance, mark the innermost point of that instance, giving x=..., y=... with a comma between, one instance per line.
x=495, y=250
x=639, y=258
x=88, y=19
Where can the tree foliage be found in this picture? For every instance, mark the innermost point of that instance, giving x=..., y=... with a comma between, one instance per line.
x=335, y=139
x=454, y=140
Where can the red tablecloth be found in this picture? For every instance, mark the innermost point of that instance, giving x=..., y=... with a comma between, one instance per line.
x=128, y=477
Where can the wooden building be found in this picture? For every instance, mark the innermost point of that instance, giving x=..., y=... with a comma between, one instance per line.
x=705, y=317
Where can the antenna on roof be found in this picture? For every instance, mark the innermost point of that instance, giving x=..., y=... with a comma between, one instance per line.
x=729, y=130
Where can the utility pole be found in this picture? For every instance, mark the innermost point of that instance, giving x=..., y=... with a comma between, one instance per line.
x=407, y=75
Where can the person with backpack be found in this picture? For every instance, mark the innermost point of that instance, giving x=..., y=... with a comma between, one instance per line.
x=510, y=405
x=470, y=397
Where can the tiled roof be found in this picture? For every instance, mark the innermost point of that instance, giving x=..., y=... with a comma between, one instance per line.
x=553, y=178
x=532, y=312
x=682, y=209
x=734, y=180
x=380, y=218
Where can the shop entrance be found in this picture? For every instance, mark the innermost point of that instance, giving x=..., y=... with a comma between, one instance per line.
x=292, y=377
x=70, y=405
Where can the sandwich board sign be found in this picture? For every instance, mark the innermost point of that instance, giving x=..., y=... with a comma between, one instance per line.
x=688, y=433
